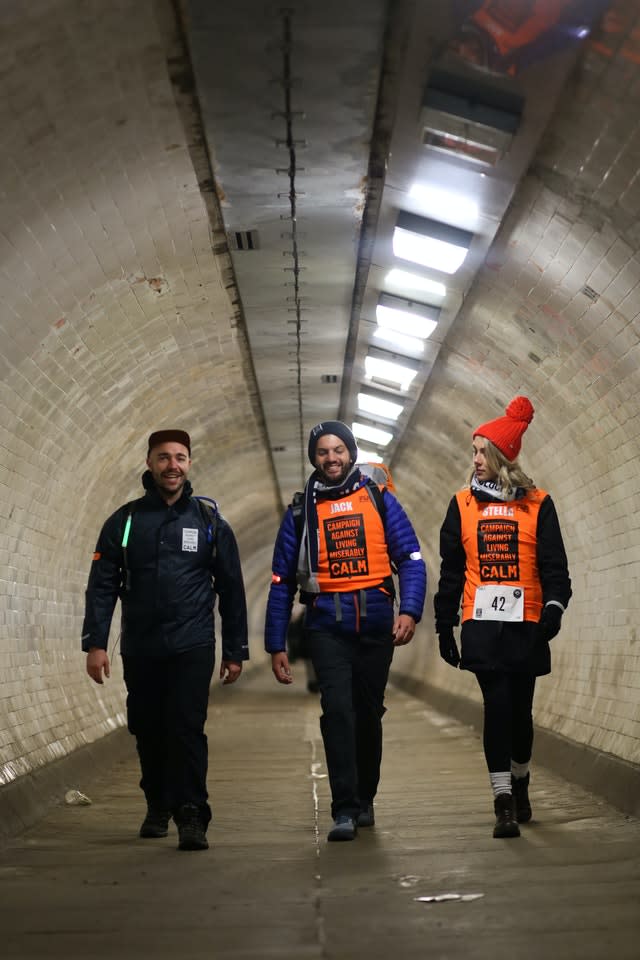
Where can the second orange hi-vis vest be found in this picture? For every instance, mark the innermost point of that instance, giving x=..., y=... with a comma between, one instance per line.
x=352, y=550
x=500, y=543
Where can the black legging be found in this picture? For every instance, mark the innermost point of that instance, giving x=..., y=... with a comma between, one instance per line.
x=508, y=720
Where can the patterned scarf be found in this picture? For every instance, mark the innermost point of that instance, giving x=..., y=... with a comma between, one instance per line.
x=316, y=490
x=490, y=490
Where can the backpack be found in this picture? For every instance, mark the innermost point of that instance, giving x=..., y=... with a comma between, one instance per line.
x=208, y=511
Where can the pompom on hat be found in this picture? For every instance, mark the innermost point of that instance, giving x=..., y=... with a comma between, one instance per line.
x=506, y=432
x=169, y=436
x=338, y=429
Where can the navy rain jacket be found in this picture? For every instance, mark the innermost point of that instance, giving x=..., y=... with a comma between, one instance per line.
x=174, y=579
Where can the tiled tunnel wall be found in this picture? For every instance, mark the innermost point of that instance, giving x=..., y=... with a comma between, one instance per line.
x=117, y=318
x=555, y=314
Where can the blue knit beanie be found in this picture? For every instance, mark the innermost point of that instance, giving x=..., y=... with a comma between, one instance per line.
x=338, y=429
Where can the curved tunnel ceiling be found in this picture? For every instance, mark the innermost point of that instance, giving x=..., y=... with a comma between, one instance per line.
x=331, y=129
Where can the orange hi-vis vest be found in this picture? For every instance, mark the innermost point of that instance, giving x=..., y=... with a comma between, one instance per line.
x=352, y=550
x=500, y=543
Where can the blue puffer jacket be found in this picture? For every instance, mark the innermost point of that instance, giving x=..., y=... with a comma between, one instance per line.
x=404, y=552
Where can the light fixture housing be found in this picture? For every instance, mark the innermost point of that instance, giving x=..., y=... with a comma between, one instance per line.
x=375, y=406
x=373, y=434
x=465, y=117
x=430, y=243
x=441, y=203
x=409, y=317
x=389, y=370
x=405, y=281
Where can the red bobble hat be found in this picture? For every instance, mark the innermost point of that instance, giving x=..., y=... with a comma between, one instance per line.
x=505, y=433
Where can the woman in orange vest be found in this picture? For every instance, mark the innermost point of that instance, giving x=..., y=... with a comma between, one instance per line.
x=503, y=557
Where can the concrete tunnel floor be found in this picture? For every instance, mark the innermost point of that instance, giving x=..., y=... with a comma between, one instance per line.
x=81, y=884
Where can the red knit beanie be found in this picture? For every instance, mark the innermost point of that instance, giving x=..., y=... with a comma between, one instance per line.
x=506, y=432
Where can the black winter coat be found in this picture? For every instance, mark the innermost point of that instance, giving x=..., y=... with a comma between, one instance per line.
x=500, y=645
x=173, y=576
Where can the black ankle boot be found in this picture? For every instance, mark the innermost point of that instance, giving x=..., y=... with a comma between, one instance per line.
x=520, y=790
x=192, y=831
x=506, y=824
x=155, y=824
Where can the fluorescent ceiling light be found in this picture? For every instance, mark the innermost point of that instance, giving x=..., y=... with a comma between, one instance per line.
x=430, y=243
x=444, y=204
x=373, y=434
x=399, y=342
x=413, y=281
x=368, y=456
x=379, y=407
x=406, y=316
x=389, y=371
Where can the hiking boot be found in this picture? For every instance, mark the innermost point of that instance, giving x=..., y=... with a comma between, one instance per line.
x=155, y=824
x=366, y=817
x=192, y=833
x=520, y=790
x=506, y=825
x=344, y=828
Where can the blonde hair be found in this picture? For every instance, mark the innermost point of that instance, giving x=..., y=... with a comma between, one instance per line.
x=508, y=474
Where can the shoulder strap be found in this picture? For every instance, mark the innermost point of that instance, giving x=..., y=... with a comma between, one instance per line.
x=377, y=495
x=210, y=513
x=297, y=508
x=128, y=512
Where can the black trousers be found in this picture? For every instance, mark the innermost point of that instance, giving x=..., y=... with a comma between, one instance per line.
x=352, y=671
x=167, y=700
x=508, y=718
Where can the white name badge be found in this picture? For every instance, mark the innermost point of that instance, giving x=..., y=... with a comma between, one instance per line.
x=190, y=540
x=499, y=602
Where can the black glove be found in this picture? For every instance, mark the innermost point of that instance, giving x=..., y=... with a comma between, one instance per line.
x=550, y=620
x=448, y=647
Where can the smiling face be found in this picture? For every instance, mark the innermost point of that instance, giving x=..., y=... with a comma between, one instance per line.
x=169, y=464
x=332, y=460
x=480, y=465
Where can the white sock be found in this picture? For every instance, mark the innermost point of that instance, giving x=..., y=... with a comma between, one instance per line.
x=500, y=782
x=519, y=770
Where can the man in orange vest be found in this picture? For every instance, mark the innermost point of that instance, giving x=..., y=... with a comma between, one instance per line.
x=352, y=538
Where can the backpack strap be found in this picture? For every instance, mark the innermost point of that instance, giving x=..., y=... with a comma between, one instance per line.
x=297, y=508
x=209, y=512
x=377, y=495
x=126, y=578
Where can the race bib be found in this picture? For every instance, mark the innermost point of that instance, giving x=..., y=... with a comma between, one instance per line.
x=499, y=602
x=190, y=539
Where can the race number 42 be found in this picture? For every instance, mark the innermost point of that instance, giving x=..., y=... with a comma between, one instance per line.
x=498, y=602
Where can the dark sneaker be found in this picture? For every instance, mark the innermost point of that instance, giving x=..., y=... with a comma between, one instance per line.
x=344, y=828
x=192, y=833
x=366, y=817
x=520, y=790
x=506, y=824
x=155, y=824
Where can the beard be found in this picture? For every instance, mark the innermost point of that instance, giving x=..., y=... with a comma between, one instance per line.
x=334, y=480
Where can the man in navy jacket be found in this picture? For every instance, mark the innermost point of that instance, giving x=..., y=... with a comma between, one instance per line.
x=342, y=547
x=166, y=557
